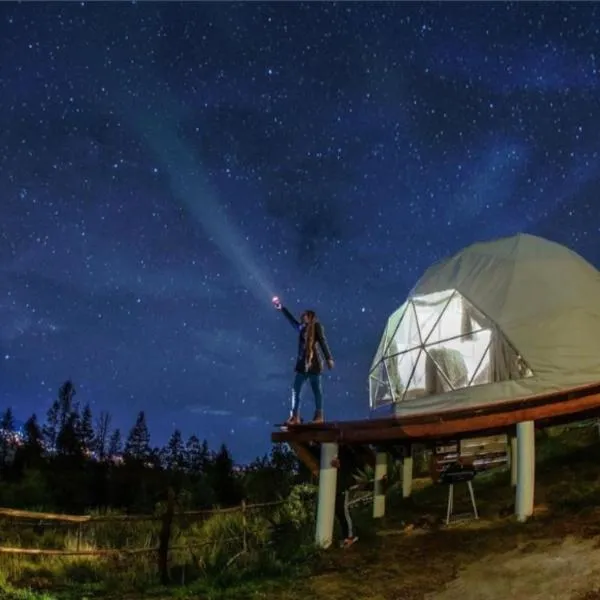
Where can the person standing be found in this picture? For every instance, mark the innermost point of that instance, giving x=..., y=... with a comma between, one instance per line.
x=309, y=364
x=346, y=464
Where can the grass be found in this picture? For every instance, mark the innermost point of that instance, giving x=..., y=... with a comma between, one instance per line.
x=404, y=556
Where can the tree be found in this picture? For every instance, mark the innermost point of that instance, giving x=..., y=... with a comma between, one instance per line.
x=227, y=487
x=7, y=421
x=137, y=446
x=7, y=430
x=68, y=441
x=174, y=455
x=66, y=406
x=101, y=434
x=30, y=455
x=115, y=444
x=33, y=443
x=197, y=455
x=51, y=427
x=86, y=429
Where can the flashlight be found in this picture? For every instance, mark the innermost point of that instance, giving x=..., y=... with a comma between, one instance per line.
x=276, y=302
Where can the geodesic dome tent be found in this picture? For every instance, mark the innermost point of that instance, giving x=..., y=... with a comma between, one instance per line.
x=499, y=320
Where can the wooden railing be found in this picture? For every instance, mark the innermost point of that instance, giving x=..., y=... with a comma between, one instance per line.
x=162, y=549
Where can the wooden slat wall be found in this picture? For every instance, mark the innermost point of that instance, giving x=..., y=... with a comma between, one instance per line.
x=482, y=453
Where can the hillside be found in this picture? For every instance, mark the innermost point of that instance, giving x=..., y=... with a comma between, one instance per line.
x=409, y=555
x=555, y=555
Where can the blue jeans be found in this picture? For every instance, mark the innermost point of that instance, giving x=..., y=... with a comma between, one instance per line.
x=315, y=384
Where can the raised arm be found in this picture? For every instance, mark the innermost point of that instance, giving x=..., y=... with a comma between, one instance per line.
x=322, y=341
x=291, y=318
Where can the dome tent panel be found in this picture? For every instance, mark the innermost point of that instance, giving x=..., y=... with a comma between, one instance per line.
x=388, y=335
x=429, y=311
x=540, y=306
x=380, y=391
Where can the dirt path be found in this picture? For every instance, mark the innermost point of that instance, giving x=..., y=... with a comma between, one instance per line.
x=567, y=571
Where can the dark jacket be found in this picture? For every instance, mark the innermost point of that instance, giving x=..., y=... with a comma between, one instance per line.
x=316, y=365
x=349, y=466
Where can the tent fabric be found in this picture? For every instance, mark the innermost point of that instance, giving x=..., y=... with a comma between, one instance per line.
x=537, y=302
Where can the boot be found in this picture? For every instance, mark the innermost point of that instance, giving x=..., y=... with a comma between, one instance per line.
x=293, y=420
x=318, y=418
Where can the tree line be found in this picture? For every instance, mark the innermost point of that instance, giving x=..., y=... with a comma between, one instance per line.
x=75, y=462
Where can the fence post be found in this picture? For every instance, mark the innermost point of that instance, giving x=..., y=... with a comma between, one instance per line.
x=165, y=538
x=244, y=527
x=79, y=537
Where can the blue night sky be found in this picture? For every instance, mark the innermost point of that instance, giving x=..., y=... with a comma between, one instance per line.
x=166, y=168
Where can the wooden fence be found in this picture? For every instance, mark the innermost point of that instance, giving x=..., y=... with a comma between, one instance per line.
x=162, y=549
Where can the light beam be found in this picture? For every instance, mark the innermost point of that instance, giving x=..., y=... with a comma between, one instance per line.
x=192, y=187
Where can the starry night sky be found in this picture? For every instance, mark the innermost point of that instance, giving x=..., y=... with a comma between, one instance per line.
x=166, y=168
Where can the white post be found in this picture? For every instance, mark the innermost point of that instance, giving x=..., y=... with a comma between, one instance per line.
x=407, y=474
x=381, y=463
x=327, y=491
x=525, y=470
x=513, y=460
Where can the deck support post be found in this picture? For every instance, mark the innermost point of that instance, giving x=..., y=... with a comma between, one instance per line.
x=513, y=459
x=327, y=492
x=381, y=464
x=407, y=473
x=525, y=470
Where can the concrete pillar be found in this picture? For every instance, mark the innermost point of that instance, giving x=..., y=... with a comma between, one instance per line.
x=512, y=452
x=381, y=463
x=327, y=490
x=525, y=470
x=407, y=474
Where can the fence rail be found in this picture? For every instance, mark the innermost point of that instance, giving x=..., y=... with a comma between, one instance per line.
x=13, y=513
x=162, y=550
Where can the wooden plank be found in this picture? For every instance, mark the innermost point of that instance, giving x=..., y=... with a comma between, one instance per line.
x=477, y=424
x=388, y=430
x=47, y=552
x=526, y=402
x=12, y=513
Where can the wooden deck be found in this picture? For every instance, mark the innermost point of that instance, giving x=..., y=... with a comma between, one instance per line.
x=553, y=408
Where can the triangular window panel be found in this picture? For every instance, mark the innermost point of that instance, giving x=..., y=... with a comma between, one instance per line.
x=380, y=350
x=417, y=385
x=395, y=381
x=457, y=360
x=429, y=310
x=380, y=392
x=483, y=373
x=394, y=324
x=406, y=374
x=408, y=336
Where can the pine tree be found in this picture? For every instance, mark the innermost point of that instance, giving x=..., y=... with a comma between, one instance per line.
x=51, y=427
x=137, y=446
x=33, y=446
x=33, y=434
x=224, y=480
x=7, y=429
x=86, y=429
x=115, y=444
x=66, y=405
x=101, y=434
x=68, y=441
x=175, y=452
x=197, y=455
x=7, y=421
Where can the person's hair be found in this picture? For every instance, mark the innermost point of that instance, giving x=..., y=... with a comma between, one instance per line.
x=310, y=335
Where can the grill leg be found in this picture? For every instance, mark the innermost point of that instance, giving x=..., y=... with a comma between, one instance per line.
x=450, y=503
x=472, y=494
